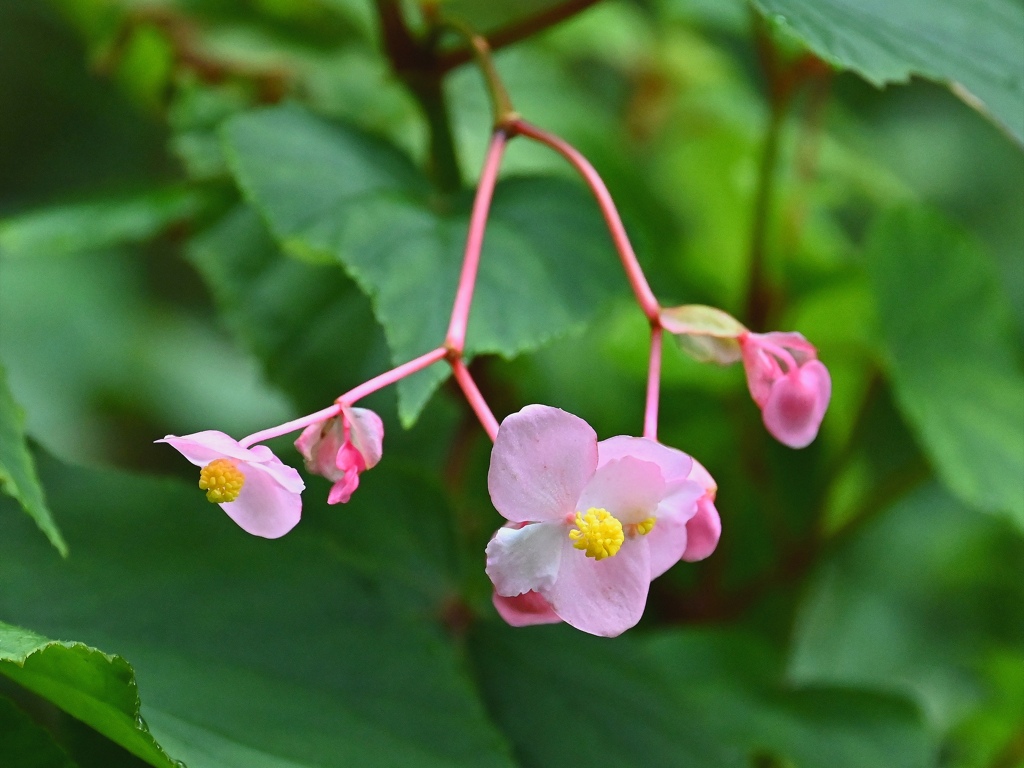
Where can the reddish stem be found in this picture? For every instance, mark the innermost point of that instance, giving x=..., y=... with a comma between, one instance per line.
x=392, y=376
x=456, y=337
x=474, y=397
x=634, y=273
x=369, y=387
x=290, y=426
x=653, y=385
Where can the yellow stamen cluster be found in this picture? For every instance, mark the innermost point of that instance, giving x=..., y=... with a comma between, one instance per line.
x=644, y=526
x=222, y=480
x=598, y=533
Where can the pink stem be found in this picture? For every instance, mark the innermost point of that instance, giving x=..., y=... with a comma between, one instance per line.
x=290, y=426
x=475, y=398
x=390, y=377
x=456, y=337
x=350, y=397
x=653, y=386
x=641, y=289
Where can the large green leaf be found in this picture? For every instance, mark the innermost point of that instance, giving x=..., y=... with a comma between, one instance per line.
x=680, y=699
x=308, y=324
x=975, y=47
x=913, y=603
x=330, y=192
x=251, y=653
x=94, y=687
x=97, y=224
x=953, y=358
x=17, y=469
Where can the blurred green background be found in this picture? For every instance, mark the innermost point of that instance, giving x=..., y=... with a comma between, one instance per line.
x=176, y=253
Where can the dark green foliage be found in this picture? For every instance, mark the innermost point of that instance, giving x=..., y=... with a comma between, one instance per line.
x=219, y=214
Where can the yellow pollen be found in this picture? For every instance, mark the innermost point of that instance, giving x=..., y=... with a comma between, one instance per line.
x=597, y=533
x=221, y=480
x=644, y=526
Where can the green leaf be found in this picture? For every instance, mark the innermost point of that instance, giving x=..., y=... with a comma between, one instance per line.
x=974, y=47
x=308, y=324
x=99, y=224
x=953, y=361
x=680, y=699
x=94, y=687
x=317, y=649
x=17, y=469
x=912, y=603
x=330, y=192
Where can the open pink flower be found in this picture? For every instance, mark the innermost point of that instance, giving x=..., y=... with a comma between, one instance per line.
x=257, y=490
x=341, y=448
x=593, y=522
x=789, y=384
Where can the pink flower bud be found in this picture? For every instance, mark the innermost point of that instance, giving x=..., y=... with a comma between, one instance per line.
x=789, y=384
x=341, y=448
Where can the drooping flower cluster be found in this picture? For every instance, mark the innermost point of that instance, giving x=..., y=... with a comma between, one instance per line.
x=589, y=523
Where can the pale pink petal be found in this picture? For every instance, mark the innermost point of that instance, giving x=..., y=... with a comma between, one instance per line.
x=523, y=559
x=603, y=597
x=797, y=404
x=263, y=507
x=667, y=542
x=700, y=475
x=630, y=489
x=674, y=464
x=288, y=477
x=680, y=500
x=366, y=433
x=702, y=531
x=319, y=445
x=524, y=610
x=542, y=459
x=310, y=436
x=203, y=447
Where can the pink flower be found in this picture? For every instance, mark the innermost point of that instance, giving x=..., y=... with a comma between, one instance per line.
x=341, y=448
x=252, y=485
x=593, y=522
x=789, y=384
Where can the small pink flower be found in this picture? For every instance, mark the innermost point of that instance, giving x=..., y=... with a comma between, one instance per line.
x=593, y=522
x=252, y=485
x=789, y=384
x=341, y=448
